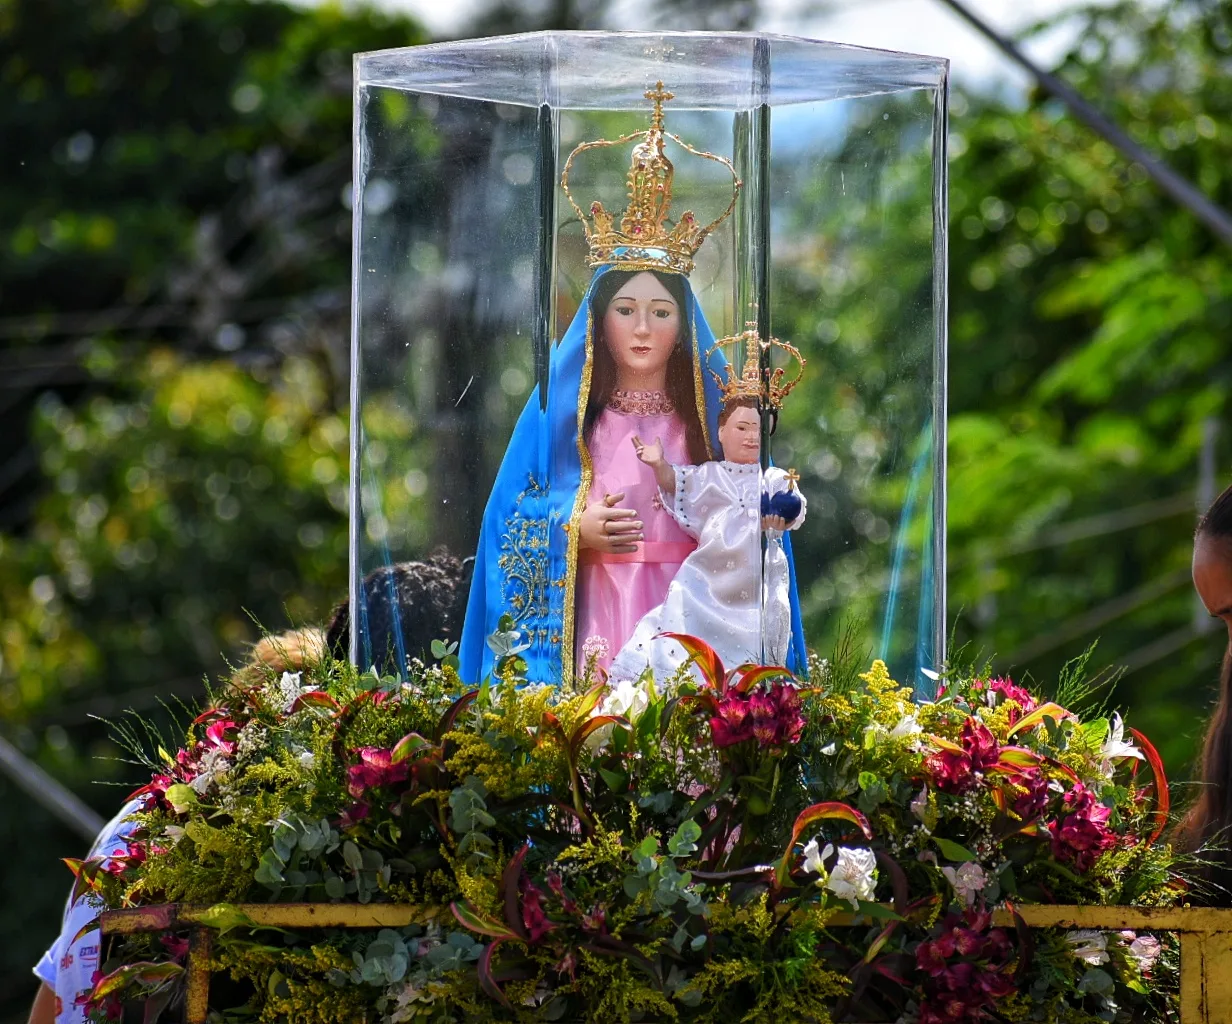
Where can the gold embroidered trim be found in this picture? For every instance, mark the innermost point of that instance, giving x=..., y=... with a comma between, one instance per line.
x=525, y=563
x=699, y=387
x=579, y=506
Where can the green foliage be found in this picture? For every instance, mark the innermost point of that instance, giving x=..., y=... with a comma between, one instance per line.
x=581, y=898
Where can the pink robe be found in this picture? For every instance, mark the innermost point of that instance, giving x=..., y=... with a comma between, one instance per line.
x=615, y=591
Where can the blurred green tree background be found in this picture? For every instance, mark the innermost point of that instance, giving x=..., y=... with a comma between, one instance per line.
x=174, y=283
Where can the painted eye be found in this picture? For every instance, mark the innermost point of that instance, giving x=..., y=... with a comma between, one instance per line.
x=663, y=314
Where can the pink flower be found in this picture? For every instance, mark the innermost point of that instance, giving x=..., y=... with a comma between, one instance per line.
x=771, y=717
x=1080, y=833
x=958, y=772
x=1008, y=690
x=1033, y=801
x=221, y=734
x=534, y=917
x=354, y=814
x=967, y=968
x=596, y=920
x=376, y=768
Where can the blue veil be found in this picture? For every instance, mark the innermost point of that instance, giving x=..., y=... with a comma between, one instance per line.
x=526, y=562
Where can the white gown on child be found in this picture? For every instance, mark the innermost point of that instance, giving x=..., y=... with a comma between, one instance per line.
x=714, y=595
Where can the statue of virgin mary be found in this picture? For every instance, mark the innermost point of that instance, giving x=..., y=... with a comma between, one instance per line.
x=576, y=545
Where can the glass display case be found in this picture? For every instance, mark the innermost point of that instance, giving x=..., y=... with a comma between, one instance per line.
x=650, y=330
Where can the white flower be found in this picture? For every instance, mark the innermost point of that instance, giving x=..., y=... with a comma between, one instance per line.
x=214, y=766
x=1115, y=745
x=968, y=880
x=289, y=689
x=829, y=749
x=854, y=876
x=1145, y=949
x=250, y=740
x=814, y=861
x=907, y=728
x=919, y=805
x=307, y=759
x=1090, y=947
x=174, y=833
x=627, y=698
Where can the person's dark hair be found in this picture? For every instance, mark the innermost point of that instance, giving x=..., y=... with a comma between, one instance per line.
x=405, y=606
x=680, y=378
x=1211, y=814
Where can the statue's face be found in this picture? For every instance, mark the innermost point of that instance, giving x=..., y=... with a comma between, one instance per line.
x=1212, y=576
x=740, y=436
x=641, y=326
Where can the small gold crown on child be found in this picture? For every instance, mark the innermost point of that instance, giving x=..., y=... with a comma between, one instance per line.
x=644, y=240
x=758, y=379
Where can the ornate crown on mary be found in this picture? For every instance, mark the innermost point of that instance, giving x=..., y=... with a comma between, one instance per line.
x=576, y=545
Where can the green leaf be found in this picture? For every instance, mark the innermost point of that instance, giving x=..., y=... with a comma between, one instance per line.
x=684, y=842
x=225, y=917
x=182, y=798
x=951, y=850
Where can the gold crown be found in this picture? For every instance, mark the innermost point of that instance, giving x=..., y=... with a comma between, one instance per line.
x=644, y=241
x=769, y=387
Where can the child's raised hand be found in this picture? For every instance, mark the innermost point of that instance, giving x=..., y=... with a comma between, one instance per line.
x=651, y=454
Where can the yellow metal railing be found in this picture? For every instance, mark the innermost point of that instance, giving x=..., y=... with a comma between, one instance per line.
x=1205, y=936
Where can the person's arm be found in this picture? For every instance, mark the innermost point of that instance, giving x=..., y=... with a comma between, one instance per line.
x=44, y=1009
x=652, y=456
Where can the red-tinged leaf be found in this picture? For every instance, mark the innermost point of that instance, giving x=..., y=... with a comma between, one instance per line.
x=999, y=799
x=1163, y=799
x=898, y=882
x=85, y=873
x=1050, y=710
x=830, y=809
x=509, y=888
x=696, y=703
x=878, y=944
x=411, y=745
x=144, y=972
x=1064, y=769
x=315, y=699
x=451, y=716
x=1026, y=942
x=748, y=676
x=704, y=656
x=885, y=972
x=486, y=981
x=1016, y=760
x=941, y=743
x=207, y=715
x=479, y=923
x=590, y=700
x=590, y=725
x=84, y=930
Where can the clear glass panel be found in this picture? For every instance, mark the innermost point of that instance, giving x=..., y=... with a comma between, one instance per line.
x=489, y=413
x=851, y=285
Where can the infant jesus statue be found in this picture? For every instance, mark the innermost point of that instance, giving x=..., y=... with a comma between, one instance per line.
x=725, y=505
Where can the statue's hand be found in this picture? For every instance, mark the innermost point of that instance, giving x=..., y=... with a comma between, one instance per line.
x=605, y=527
x=769, y=523
x=651, y=454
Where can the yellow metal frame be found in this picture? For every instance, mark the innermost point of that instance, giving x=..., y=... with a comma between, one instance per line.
x=1205, y=933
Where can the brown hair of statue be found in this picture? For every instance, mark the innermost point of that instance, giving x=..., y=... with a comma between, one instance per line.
x=680, y=373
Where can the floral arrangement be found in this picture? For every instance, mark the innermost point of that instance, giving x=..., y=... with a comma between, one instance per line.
x=725, y=845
